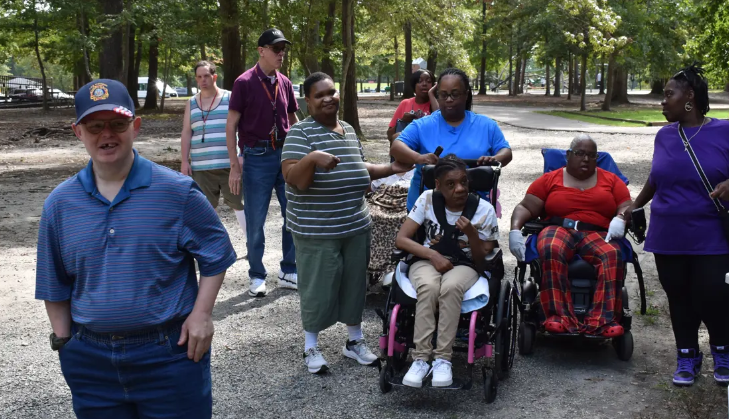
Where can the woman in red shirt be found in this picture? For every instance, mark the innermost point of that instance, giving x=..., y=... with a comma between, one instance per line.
x=594, y=200
x=423, y=104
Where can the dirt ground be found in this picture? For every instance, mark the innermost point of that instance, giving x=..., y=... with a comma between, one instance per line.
x=257, y=369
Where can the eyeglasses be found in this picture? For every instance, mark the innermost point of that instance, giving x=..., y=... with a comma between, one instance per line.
x=277, y=49
x=592, y=155
x=116, y=125
x=442, y=95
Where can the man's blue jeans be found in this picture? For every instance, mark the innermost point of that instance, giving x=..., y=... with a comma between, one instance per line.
x=261, y=175
x=141, y=376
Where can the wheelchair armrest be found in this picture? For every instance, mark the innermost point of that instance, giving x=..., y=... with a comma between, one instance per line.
x=532, y=227
x=398, y=255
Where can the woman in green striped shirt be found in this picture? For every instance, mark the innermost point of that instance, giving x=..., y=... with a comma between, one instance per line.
x=326, y=180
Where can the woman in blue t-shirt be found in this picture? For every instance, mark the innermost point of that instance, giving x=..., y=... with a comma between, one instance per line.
x=454, y=127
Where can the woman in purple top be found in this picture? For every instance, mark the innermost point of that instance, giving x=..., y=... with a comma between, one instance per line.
x=685, y=234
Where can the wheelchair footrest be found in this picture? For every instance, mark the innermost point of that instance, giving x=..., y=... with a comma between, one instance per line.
x=457, y=384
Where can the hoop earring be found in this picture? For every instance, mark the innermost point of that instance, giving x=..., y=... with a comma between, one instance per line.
x=688, y=107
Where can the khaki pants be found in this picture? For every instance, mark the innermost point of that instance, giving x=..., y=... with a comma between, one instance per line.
x=442, y=293
x=213, y=183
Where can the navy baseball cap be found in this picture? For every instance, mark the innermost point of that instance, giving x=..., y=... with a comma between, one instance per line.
x=103, y=95
x=272, y=36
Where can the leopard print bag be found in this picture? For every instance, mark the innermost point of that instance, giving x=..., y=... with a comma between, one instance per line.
x=388, y=209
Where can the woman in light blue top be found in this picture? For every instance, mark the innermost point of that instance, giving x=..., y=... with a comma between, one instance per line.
x=454, y=127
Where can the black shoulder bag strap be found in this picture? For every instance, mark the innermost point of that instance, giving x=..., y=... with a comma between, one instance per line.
x=699, y=169
x=471, y=206
x=723, y=213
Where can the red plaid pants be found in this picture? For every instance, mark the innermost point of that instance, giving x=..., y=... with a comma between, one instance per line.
x=557, y=246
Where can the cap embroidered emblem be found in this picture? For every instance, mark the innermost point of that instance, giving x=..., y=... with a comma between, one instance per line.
x=123, y=111
x=277, y=33
x=99, y=91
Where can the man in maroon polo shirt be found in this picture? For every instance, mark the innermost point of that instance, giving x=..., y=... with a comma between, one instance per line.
x=262, y=109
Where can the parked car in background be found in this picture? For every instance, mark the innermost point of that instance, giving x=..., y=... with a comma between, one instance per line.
x=182, y=91
x=31, y=95
x=57, y=94
x=142, y=89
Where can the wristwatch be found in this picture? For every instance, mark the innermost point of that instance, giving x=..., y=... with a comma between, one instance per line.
x=57, y=343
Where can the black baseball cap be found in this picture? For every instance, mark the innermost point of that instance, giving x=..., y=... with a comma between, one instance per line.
x=103, y=95
x=272, y=36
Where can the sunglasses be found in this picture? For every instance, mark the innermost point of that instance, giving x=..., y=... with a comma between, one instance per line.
x=277, y=49
x=442, y=95
x=592, y=155
x=116, y=125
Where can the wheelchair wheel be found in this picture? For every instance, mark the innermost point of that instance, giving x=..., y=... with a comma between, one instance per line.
x=513, y=327
x=527, y=336
x=490, y=385
x=399, y=360
x=385, y=377
x=503, y=344
x=624, y=346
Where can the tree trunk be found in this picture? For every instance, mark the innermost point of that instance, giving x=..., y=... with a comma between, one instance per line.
x=408, y=33
x=610, y=80
x=264, y=14
x=111, y=57
x=36, y=46
x=132, y=76
x=309, y=61
x=203, y=53
x=397, y=61
x=482, y=69
x=379, y=79
x=583, y=85
x=517, y=74
x=82, y=73
x=511, y=68
x=602, y=75
x=327, y=66
x=348, y=89
x=127, y=33
x=150, y=102
x=620, y=86
x=569, y=77
x=166, y=77
x=546, y=82
x=188, y=83
x=523, y=74
x=432, y=58
x=657, y=87
x=230, y=42
x=576, y=75
x=137, y=64
x=557, y=77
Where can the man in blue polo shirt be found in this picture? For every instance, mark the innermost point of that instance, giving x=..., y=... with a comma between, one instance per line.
x=116, y=268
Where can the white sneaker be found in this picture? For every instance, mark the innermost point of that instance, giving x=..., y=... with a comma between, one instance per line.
x=358, y=350
x=257, y=288
x=287, y=280
x=442, y=375
x=315, y=361
x=416, y=374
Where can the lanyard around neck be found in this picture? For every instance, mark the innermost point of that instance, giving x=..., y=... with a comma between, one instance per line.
x=275, y=94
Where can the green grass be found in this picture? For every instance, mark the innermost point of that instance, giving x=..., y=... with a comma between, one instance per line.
x=584, y=117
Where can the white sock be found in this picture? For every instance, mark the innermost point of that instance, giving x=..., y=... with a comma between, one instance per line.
x=355, y=332
x=311, y=340
x=241, y=216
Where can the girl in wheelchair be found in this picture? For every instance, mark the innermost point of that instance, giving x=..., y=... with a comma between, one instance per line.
x=458, y=230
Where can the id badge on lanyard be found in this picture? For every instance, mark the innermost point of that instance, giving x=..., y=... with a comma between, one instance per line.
x=274, y=130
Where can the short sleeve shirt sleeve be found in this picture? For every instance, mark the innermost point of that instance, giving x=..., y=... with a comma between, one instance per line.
x=417, y=214
x=51, y=281
x=204, y=236
x=486, y=222
x=411, y=136
x=297, y=145
x=498, y=141
x=238, y=97
x=399, y=112
x=620, y=190
x=540, y=187
x=293, y=105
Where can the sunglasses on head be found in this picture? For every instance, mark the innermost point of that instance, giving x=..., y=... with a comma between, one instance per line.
x=118, y=126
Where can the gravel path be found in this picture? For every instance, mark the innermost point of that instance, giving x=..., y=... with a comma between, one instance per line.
x=257, y=365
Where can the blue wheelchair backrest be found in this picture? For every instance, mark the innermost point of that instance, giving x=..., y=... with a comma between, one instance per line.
x=555, y=158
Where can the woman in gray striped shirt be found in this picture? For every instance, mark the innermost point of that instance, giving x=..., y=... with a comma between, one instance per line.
x=326, y=180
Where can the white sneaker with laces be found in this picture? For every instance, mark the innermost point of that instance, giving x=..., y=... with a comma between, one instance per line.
x=417, y=372
x=358, y=350
x=442, y=375
x=315, y=361
x=289, y=281
x=257, y=288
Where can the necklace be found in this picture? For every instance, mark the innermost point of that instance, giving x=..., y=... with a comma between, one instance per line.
x=696, y=133
x=205, y=115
